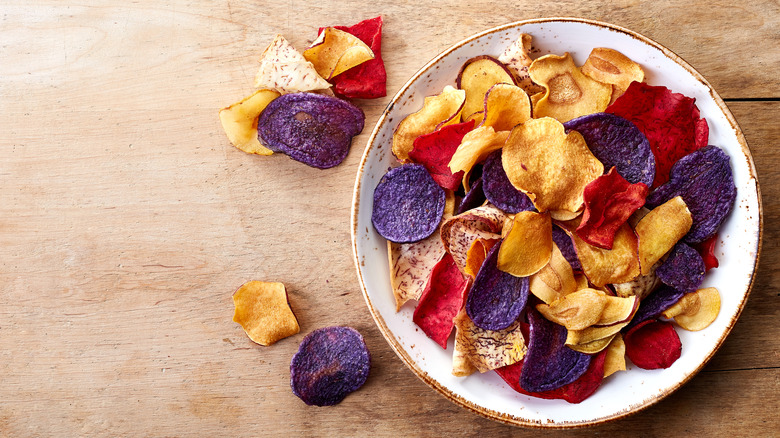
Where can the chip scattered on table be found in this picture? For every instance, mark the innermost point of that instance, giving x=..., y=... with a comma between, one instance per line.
x=263, y=310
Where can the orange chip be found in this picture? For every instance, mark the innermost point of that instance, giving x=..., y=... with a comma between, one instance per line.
x=548, y=165
x=476, y=255
x=506, y=105
x=437, y=111
x=263, y=311
x=527, y=247
x=240, y=121
x=605, y=266
x=489, y=349
x=660, y=229
x=336, y=51
x=475, y=148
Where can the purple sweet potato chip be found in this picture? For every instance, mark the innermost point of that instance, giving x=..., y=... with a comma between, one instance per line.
x=549, y=363
x=473, y=199
x=617, y=142
x=331, y=363
x=654, y=304
x=704, y=180
x=496, y=298
x=499, y=191
x=566, y=246
x=683, y=270
x=408, y=204
x=311, y=128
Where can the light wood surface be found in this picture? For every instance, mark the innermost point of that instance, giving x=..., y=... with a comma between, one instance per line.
x=128, y=220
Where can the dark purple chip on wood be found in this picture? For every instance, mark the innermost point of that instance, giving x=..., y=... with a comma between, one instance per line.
x=683, y=270
x=311, y=128
x=496, y=299
x=617, y=142
x=499, y=191
x=331, y=362
x=549, y=363
x=654, y=304
x=566, y=246
x=473, y=199
x=408, y=204
x=704, y=180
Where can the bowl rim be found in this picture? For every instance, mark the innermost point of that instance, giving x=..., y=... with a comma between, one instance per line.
x=387, y=333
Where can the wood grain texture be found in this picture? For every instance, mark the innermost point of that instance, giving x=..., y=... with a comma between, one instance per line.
x=128, y=220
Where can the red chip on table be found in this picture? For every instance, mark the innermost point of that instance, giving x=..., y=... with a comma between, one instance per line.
x=441, y=300
x=670, y=121
x=367, y=80
x=435, y=150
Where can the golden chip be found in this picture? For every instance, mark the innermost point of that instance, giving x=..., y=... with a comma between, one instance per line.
x=477, y=76
x=612, y=67
x=696, y=311
x=594, y=347
x=476, y=255
x=506, y=105
x=660, y=229
x=240, y=121
x=263, y=311
x=607, y=266
x=556, y=279
x=527, y=247
x=336, y=51
x=576, y=310
x=615, y=359
x=475, y=148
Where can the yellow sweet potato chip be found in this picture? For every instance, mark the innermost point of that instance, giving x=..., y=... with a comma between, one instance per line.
x=612, y=67
x=615, y=360
x=437, y=111
x=262, y=309
x=550, y=166
x=284, y=69
x=477, y=76
x=336, y=51
x=576, y=310
x=556, y=279
x=607, y=266
x=527, y=247
x=660, y=229
x=475, y=148
x=695, y=311
x=488, y=349
x=240, y=121
x=594, y=347
x=506, y=105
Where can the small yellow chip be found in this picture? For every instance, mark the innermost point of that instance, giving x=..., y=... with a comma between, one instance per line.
x=337, y=51
x=527, y=247
x=263, y=311
x=240, y=121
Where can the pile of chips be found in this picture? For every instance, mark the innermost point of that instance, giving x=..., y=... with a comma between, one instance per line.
x=556, y=217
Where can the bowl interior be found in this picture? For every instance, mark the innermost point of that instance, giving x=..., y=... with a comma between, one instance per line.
x=623, y=392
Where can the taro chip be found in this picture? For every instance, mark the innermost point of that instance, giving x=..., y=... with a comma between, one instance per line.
x=606, y=266
x=408, y=204
x=311, y=128
x=517, y=58
x=459, y=232
x=654, y=304
x=331, y=363
x=263, y=310
x=474, y=197
x=670, y=121
x=706, y=184
x=367, y=80
x=565, y=245
x=336, y=51
x=609, y=201
x=549, y=363
x=499, y=191
x=441, y=301
x=660, y=230
x=476, y=146
x=653, y=345
x=506, y=105
x=528, y=246
x=683, y=270
x=550, y=166
x=496, y=298
x=437, y=111
x=240, y=121
x=617, y=142
x=411, y=265
x=435, y=150
x=489, y=349
x=284, y=69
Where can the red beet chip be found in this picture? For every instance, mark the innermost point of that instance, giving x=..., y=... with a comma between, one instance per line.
x=707, y=251
x=435, y=150
x=367, y=80
x=653, y=344
x=441, y=301
x=609, y=201
x=670, y=121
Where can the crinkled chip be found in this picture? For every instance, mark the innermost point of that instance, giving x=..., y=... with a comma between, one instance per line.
x=617, y=142
x=311, y=128
x=506, y=105
x=660, y=230
x=612, y=67
x=408, y=204
x=441, y=301
x=653, y=345
x=489, y=349
x=411, y=265
x=670, y=121
x=527, y=247
x=477, y=76
x=549, y=363
x=550, y=166
x=284, y=69
x=331, y=363
x=606, y=266
x=459, y=232
x=435, y=150
x=499, y=191
x=683, y=270
x=517, y=58
x=475, y=148
x=496, y=298
x=240, y=121
x=437, y=111
x=609, y=201
x=705, y=181
x=336, y=51
x=367, y=80
x=264, y=312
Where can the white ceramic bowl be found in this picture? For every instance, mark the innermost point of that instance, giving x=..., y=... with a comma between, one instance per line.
x=624, y=392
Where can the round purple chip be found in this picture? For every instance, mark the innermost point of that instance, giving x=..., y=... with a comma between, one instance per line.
x=408, y=204
x=499, y=191
x=331, y=363
x=617, y=142
x=684, y=269
x=311, y=128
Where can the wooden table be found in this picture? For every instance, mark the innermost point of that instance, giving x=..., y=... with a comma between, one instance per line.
x=128, y=220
